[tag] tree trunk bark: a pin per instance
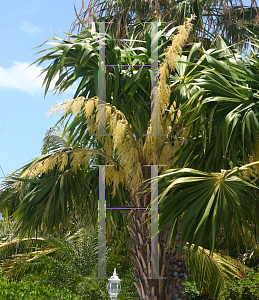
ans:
(177, 270)
(172, 269)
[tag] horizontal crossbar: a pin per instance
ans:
(118, 65)
(127, 208)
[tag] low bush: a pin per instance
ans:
(64, 276)
(71, 262)
(12, 290)
(242, 289)
(192, 292)
(238, 290)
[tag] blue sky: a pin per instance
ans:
(23, 120)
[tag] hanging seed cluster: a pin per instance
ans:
(171, 58)
(121, 142)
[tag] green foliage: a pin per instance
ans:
(238, 289)
(205, 203)
(67, 275)
(217, 93)
(193, 293)
(243, 289)
(235, 21)
(211, 272)
(28, 291)
(70, 262)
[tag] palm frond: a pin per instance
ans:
(53, 140)
(211, 272)
(200, 204)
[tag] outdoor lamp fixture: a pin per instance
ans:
(114, 286)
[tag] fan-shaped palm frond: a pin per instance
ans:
(217, 94)
(203, 203)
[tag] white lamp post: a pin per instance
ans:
(114, 286)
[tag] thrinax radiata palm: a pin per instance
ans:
(126, 147)
(52, 188)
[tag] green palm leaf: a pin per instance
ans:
(203, 203)
(211, 272)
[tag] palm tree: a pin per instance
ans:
(51, 189)
(235, 22)
(216, 119)
(62, 178)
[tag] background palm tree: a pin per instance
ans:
(235, 22)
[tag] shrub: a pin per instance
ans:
(192, 292)
(69, 262)
(62, 275)
(238, 290)
(12, 290)
(243, 289)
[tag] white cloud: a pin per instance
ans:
(29, 28)
(21, 76)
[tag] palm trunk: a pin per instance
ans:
(172, 268)
(178, 272)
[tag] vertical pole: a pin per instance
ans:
(154, 223)
(154, 168)
(101, 82)
(101, 224)
(154, 82)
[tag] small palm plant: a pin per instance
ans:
(69, 261)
